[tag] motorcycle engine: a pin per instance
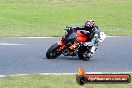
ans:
(67, 52)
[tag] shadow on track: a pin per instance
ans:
(72, 58)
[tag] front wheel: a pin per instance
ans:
(53, 52)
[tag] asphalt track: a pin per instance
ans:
(27, 55)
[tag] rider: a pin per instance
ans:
(94, 32)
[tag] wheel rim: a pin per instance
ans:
(53, 54)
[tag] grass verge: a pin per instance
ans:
(49, 17)
(51, 81)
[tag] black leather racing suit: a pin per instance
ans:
(94, 33)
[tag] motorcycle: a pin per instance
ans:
(72, 45)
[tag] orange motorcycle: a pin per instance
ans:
(71, 45)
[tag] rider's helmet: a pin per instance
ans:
(89, 25)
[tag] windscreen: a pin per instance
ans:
(70, 37)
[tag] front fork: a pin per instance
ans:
(62, 44)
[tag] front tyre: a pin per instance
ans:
(53, 52)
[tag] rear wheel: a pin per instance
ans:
(85, 56)
(82, 57)
(53, 52)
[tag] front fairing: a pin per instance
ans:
(70, 37)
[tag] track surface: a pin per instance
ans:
(26, 55)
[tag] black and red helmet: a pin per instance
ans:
(90, 24)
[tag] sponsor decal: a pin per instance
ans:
(83, 78)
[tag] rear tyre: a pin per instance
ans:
(82, 53)
(85, 55)
(83, 58)
(53, 52)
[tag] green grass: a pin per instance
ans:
(51, 81)
(49, 17)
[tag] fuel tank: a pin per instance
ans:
(81, 37)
